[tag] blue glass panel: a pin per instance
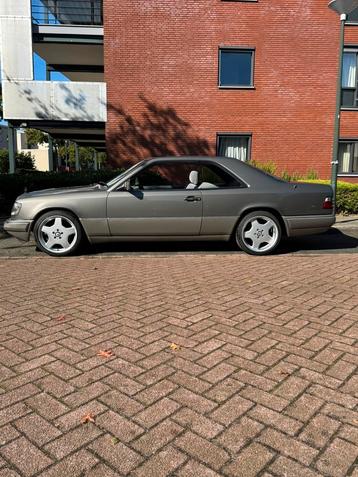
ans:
(235, 68)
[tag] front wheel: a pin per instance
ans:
(58, 233)
(258, 233)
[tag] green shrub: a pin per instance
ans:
(269, 167)
(290, 176)
(12, 185)
(312, 175)
(347, 196)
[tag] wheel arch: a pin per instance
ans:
(49, 209)
(272, 210)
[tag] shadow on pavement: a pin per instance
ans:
(333, 241)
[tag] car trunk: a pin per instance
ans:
(312, 198)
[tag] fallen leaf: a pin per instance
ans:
(115, 440)
(174, 347)
(105, 353)
(87, 418)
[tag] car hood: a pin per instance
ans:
(60, 191)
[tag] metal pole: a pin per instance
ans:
(59, 160)
(95, 162)
(11, 148)
(334, 171)
(77, 158)
(50, 153)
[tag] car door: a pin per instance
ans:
(223, 197)
(160, 201)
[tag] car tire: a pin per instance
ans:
(58, 233)
(258, 233)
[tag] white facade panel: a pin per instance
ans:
(54, 100)
(16, 48)
(15, 8)
(79, 101)
(26, 99)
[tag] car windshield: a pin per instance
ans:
(127, 171)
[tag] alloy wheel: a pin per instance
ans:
(260, 234)
(57, 234)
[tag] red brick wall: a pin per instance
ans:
(161, 67)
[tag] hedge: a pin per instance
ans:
(12, 185)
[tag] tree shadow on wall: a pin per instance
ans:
(159, 131)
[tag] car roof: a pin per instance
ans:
(245, 171)
(183, 158)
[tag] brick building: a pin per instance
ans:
(246, 78)
(251, 79)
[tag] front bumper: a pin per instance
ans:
(308, 224)
(20, 229)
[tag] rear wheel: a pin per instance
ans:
(258, 233)
(58, 233)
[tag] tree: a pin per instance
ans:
(35, 137)
(23, 161)
(67, 152)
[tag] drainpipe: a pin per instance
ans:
(338, 110)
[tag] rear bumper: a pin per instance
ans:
(308, 224)
(18, 228)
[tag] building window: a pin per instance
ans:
(236, 68)
(236, 146)
(353, 16)
(349, 79)
(348, 157)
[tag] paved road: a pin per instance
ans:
(344, 240)
(210, 365)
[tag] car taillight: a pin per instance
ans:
(328, 204)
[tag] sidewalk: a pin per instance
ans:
(346, 221)
(125, 367)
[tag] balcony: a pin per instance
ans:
(55, 101)
(67, 12)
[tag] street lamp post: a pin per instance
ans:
(343, 8)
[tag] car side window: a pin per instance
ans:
(164, 176)
(214, 177)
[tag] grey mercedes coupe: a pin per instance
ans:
(171, 198)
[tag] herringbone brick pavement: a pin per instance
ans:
(223, 365)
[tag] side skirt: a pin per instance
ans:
(151, 238)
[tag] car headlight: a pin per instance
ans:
(15, 209)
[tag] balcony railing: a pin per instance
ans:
(67, 12)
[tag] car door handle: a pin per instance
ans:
(192, 198)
